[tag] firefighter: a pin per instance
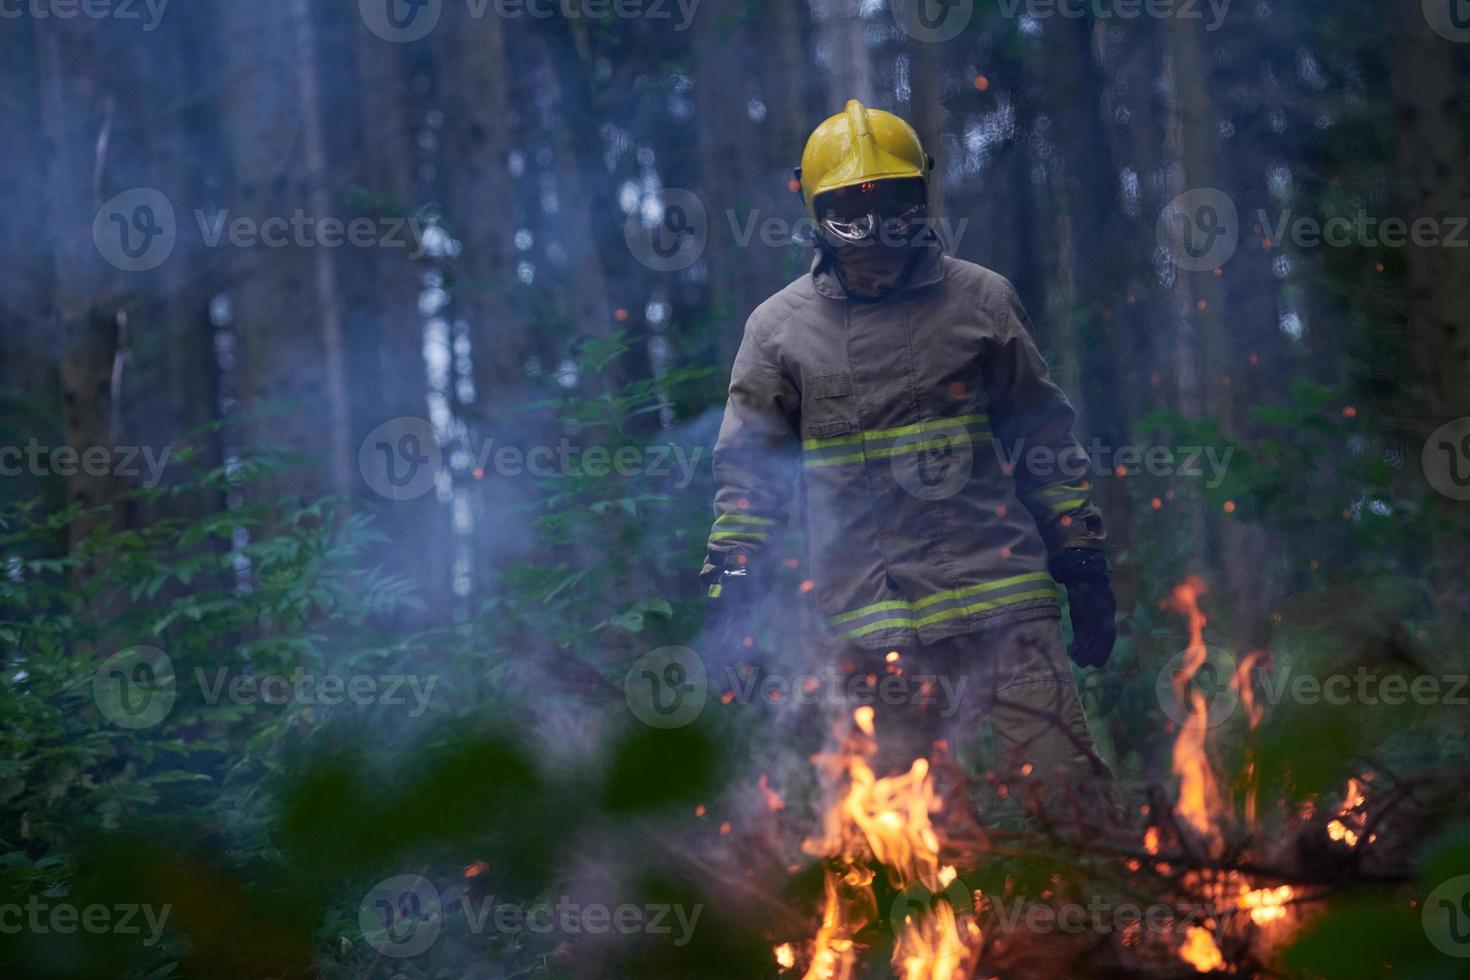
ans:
(945, 496)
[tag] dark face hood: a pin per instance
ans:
(870, 273)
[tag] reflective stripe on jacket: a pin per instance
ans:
(899, 420)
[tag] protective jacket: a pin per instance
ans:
(936, 457)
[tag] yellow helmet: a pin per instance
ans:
(856, 146)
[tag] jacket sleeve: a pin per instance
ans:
(1033, 420)
(755, 456)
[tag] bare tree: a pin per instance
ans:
(287, 312)
(79, 109)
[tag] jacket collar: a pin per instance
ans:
(929, 271)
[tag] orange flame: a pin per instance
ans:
(1347, 826)
(773, 798)
(1199, 950)
(1254, 710)
(884, 822)
(1265, 904)
(1199, 795)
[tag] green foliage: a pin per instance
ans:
(615, 542)
(262, 590)
(254, 816)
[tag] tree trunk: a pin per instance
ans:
(1435, 184)
(285, 309)
(1093, 292)
(1206, 360)
(323, 267)
(384, 324)
(593, 226)
(850, 67)
(483, 207)
(25, 270)
(928, 116)
(732, 175)
(77, 122)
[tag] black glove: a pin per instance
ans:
(728, 581)
(1094, 609)
(731, 598)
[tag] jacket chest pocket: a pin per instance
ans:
(828, 402)
(829, 422)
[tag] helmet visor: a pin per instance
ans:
(860, 212)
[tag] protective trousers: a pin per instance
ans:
(1013, 677)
